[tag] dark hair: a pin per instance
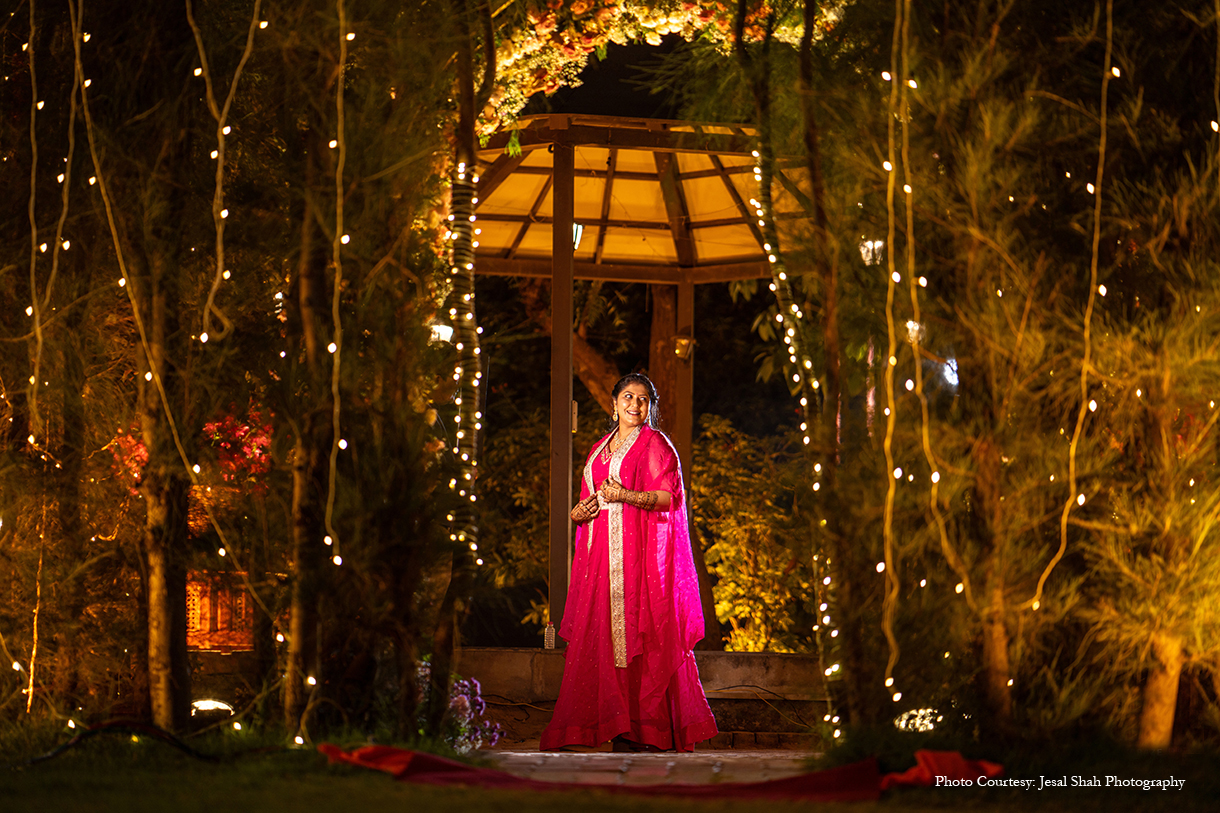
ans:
(638, 378)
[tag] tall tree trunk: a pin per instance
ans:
(1160, 694)
(310, 461)
(444, 641)
(990, 525)
(996, 669)
(166, 495)
(169, 673)
(857, 677)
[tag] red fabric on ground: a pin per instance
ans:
(949, 764)
(860, 781)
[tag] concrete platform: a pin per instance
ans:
(607, 768)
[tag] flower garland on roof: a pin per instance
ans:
(553, 44)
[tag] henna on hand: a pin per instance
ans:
(614, 491)
(586, 510)
(646, 500)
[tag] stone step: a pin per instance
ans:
(760, 700)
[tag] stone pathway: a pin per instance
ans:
(608, 768)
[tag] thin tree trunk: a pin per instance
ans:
(990, 522)
(855, 658)
(444, 641)
(996, 669)
(168, 664)
(307, 558)
(309, 462)
(166, 496)
(1160, 694)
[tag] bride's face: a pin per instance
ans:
(632, 405)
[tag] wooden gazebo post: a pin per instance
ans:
(561, 379)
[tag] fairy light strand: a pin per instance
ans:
(468, 369)
(337, 259)
(1216, 90)
(221, 115)
(37, 310)
(1086, 362)
(896, 109)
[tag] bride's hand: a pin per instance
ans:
(613, 490)
(586, 510)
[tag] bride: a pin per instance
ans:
(633, 614)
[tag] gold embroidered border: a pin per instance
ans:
(618, 609)
(589, 481)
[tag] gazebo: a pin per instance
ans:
(666, 203)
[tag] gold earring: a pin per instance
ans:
(616, 416)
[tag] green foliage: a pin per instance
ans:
(741, 515)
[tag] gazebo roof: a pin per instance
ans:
(655, 200)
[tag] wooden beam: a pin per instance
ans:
(607, 191)
(493, 266)
(561, 384)
(588, 172)
(748, 214)
(615, 223)
(541, 135)
(727, 272)
(526, 221)
(497, 217)
(497, 174)
(675, 207)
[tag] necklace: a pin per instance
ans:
(609, 449)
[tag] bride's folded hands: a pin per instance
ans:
(613, 491)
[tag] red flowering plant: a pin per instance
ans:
(243, 448)
(130, 457)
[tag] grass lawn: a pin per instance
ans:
(109, 776)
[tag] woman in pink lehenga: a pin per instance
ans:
(633, 612)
